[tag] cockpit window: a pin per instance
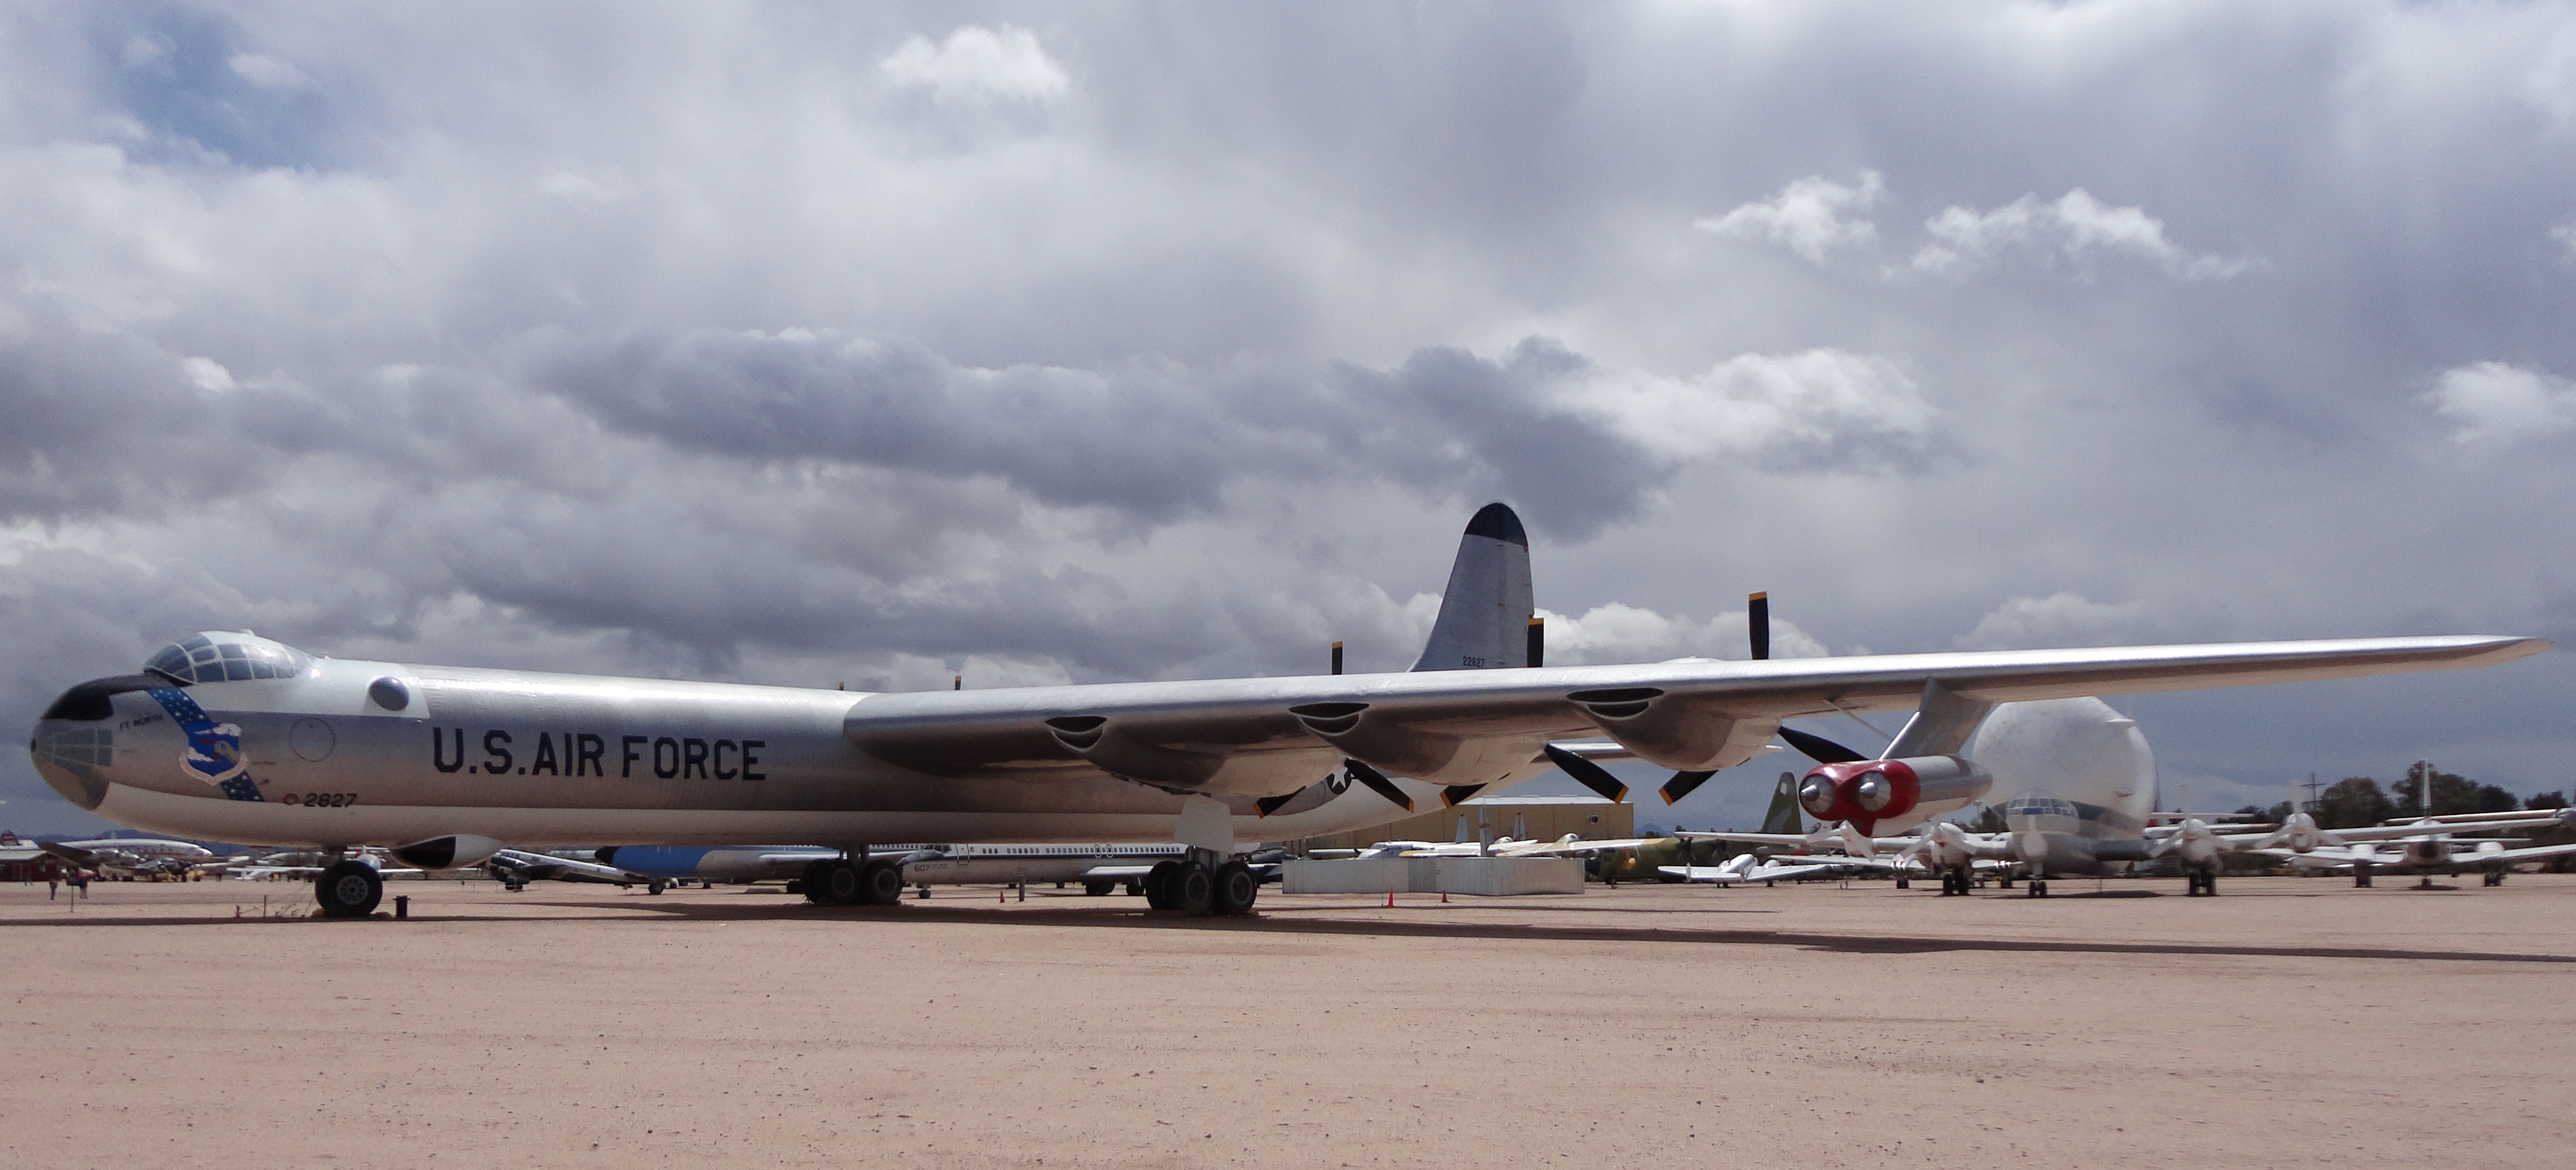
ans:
(228, 657)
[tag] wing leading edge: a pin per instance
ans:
(1272, 736)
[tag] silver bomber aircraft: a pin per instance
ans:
(234, 737)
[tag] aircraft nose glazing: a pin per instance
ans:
(75, 743)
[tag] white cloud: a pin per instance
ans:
(977, 63)
(1818, 398)
(574, 187)
(2493, 402)
(1812, 216)
(2565, 234)
(207, 374)
(2076, 225)
(268, 72)
(1619, 632)
(2550, 85)
(2060, 619)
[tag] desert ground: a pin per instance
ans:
(2287, 1022)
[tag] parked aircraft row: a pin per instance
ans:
(230, 736)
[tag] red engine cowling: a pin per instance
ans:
(1865, 792)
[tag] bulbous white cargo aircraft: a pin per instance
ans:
(233, 737)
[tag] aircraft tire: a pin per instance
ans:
(1235, 889)
(881, 884)
(1098, 889)
(349, 889)
(653, 887)
(1158, 884)
(842, 884)
(1192, 890)
(1903, 884)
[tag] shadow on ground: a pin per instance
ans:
(1310, 921)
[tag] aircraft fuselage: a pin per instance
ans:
(351, 752)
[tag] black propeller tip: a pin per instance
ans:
(1681, 785)
(1818, 748)
(1589, 774)
(1378, 783)
(1757, 621)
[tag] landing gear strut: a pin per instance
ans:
(2204, 882)
(2494, 877)
(349, 889)
(2038, 886)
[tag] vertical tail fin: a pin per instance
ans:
(1485, 613)
(1783, 817)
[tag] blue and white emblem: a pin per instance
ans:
(214, 751)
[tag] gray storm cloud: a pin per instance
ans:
(877, 345)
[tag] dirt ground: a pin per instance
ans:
(2288, 1022)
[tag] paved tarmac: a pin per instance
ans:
(2288, 1022)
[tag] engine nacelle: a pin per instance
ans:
(457, 852)
(1865, 792)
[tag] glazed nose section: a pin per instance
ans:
(74, 744)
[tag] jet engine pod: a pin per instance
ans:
(1389, 745)
(455, 852)
(1108, 747)
(1675, 734)
(1865, 792)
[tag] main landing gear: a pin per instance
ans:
(2038, 886)
(2493, 877)
(1954, 882)
(853, 881)
(349, 889)
(2204, 882)
(1193, 887)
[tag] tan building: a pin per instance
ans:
(1543, 818)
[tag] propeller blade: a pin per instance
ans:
(1270, 804)
(1592, 775)
(1457, 794)
(1818, 748)
(1378, 783)
(1757, 619)
(1682, 783)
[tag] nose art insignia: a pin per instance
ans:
(214, 752)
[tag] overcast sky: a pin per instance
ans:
(812, 344)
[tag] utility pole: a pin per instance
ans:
(2312, 794)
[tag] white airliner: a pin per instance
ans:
(143, 847)
(234, 737)
(1099, 867)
